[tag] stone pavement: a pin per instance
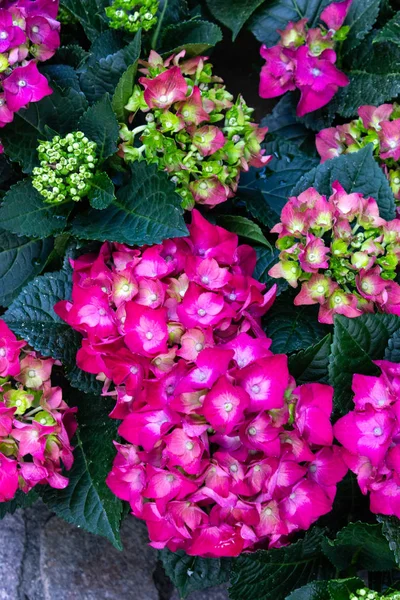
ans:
(44, 558)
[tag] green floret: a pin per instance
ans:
(132, 15)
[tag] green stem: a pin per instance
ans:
(158, 28)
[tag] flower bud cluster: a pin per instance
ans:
(366, 594)
(377, 125)
(222, 451)
(304, 59)
(193, 129)
(36, 425)
(341, 251)
(29, 33)
(131, 15)
(370, 436)
(66, 169)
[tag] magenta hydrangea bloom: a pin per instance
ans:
(341, 251)
(369, 435)
(36, 425)
(222, 452)
(304, 59)
(29, 33)
(377, 124)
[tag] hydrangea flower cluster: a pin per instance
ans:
(183, 103)
(341, 250)
(379, 125)
(224, 452)
(370, 436)
(366, 594)
(36, 425)
(29, 33)
(304, 59)
(66, 169)
(132, 15)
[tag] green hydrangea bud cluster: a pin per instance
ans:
(203, 141)
(132, 15)
(67, 166)
(366, 594)
(65, 16)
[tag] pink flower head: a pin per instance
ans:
(372, 116)
(389, 137)
(208, 139)
(146, 329)
(329, 143)
(277, 75)
(335, 13)
(9, 351)
(191, 109)
(313, 410)
(165, 89)
(224, 406)
(24, 85)
(8, 478)
(11, 36)
(314, 255)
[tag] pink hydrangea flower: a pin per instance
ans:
(222, 452)
(36, 425)
(341, 251)
(370, 433)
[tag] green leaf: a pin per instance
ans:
(196, 37)
(266, 259)
(89, 13)
(277, 14)
(283, 123)
(391, 531)
(360, 18)
(192, 573)
(356, 343)
(20, 500)
(360, 545)
(292, 327)
(341, 589)
(72, 55)
(32, 316)
(100, 125)
(265, 191)
(86, 382)
(316, 590)
(102, 76)
(233, 13)
(21, 259)
(390, 32)
(88, 502)
(392, 351)
(124, 91)
(273, 574)
(312, 363)
(24, 212)
(357, 172)
(60, 112)
(244, 228)
(147, 210)
(374, 77)
(101, 192)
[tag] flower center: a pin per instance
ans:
(35, 29)
(292, 496)
(198, 347)
(22, 83)
(3, 35)
(257, 468)
(232, 296)
(381, 402)
(102, 312)
(313, 468)
(2, 351)
(312, 257)
(320, 289)
(133, 370)
(201, 312)
(205, 279)
(268, 512)
(293, 270)
(202, 376)
(252, 431)
(149, 335)
(255, 389)
(392, 144)
(203, 185)
(377, 431)
(337, 300)
(316, 72)
(228, 406)
(31, 373)
(170, 390)
(163, 98)
(125, 287)
(170, 478)
(234, 468)
(189, 445)
(153, 297)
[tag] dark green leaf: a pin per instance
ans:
(360, 545)
(89, 13)
(32, 316)
(316, 590)
(265, 191)
(21, 259)
(391, 531)
(60, 112)
(266, 258)
(191, 573)
(245, 228)
(72, 55)
(196, 37)
(292, 327)
(390, 32)
(86, 382)
(356, 343)
(392, 351)
(25, 212)
(172, 11)
(124, 91)
(20, 500)
(100, 125)
(103, 76)
(101, 192)
(233, 13)
(88, 502)
(147, 210)
(312, 363)
(360, 18)
(282, 122)
(64, 76)
(277, 14)
(273, 574)
(357, 172)
(341, 589)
